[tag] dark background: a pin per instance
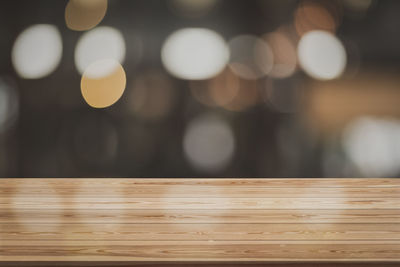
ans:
(54, 133)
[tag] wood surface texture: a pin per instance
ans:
(182, 220)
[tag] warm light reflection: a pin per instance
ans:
(218, 91)
(24, 199)
(103, 83)
(373, 144)
(194, 53)
(251, 57)
(215, 219)
(247, 96)
(310, 215)
(37, 51)
(85, 190)
(151, 96)
(227, 90)
(98, 44)
(82, 15)
(322, 55)
(311, 15)
(209, 143)
(284, 53)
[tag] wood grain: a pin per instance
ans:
(218, 231)
(89, 216)
(204, 203)
(202, 251)
(200, 220)
(200, 191)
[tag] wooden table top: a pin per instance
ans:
(200, 220)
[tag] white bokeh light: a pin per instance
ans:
(209, 143)
(373, 145)
(99, 44)
(37, 51)
(194, 53)
(322, 55)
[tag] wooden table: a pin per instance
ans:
(240, 220)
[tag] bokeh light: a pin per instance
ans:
(284, 53)
(82, 15)
(209, 143)
(149, 68)
(373, 144)
(151, 96)
(194, 53)
(98, 44)
(37, 51)
(247, 96)
(312, 15)
(322, 55)
(218, 91)
(103, 83)
(228, 91)
(251, 57)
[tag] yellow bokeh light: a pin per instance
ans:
(82, 15)
(103, 83)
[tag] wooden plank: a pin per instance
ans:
(201, 251)
(195, 232)
(201, 203)
(156, 191)
(199, 216)
(177, 220)
(199, 264)
(269, 182)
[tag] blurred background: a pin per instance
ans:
(199, 88)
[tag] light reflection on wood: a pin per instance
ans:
(200, 219)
